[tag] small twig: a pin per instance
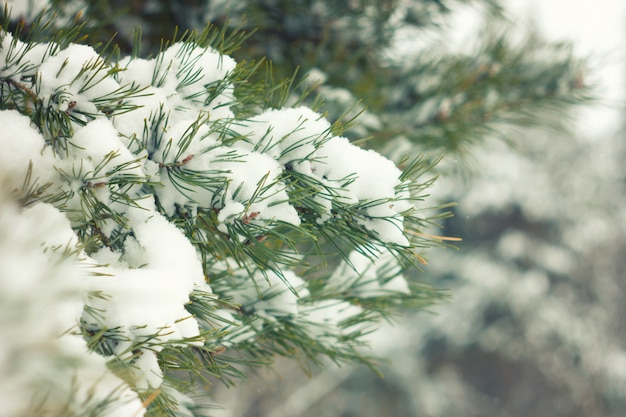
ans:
(20, 86)
(103, 238)
(249, 217)
(177, 164)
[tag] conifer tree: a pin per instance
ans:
(190, 208)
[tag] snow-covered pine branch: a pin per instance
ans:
(189, 229)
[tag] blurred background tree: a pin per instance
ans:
(384, 60)
(534, 324)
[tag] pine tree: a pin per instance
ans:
(198, 211)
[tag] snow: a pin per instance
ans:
(363, 176)
(27, 9)
(300, 140)
(316, 76)
(96, 140)
(327, 318)
(267, 295)
(288, 135)
(180, 80)
(41, 283)
(597, 30)
(170, 273)
(11, 52)
(76, 74)
(145, 290)
(365, 277)
(18, 155)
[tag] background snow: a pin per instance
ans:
(40, 300)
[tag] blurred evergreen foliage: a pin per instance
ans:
(385, 61)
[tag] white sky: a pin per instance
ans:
(598, 29)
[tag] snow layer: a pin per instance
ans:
(41, 286)
(366, 277)
(23, 149)
(266, 293)
(301, 140)
(26, 9)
